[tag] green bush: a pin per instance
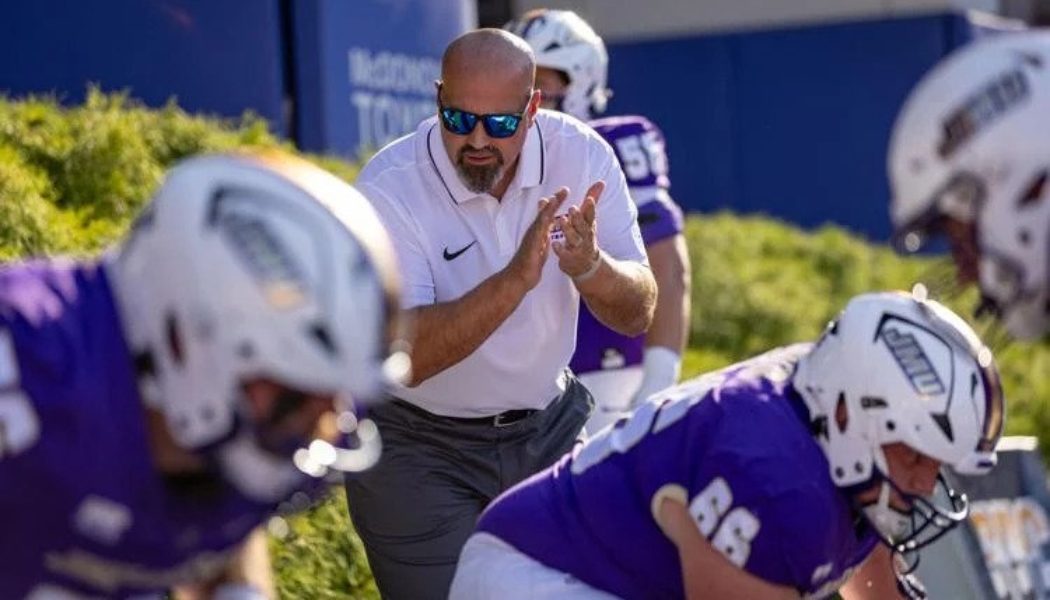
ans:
(26, 210)
(759, 283)
(71, 179)
(317, 555)
(86, 170)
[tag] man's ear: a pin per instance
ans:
(534, 104)
(437, 93)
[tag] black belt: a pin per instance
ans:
(503, 419)
(507, 417)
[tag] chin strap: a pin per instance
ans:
(907, 583)
(905, 552)
(910, 587)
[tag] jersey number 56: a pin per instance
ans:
(642, 155)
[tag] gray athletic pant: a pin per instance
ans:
(416, 508)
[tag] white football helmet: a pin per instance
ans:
(258, 267)
(894, 368)
(972, 144)
(563, 41)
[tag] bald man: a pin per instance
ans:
(503, 216)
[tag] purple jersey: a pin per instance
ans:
(639, 145)
(737, 443)
(84, 510)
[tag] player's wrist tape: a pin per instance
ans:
(238, 591)
(660, 369)
(590, 272)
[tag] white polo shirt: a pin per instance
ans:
(449, 239)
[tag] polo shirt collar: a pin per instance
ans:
(531, 163)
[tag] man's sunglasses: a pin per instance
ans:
(461, 122)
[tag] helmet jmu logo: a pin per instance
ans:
(981, 109)
(261, 250)
(912, 359)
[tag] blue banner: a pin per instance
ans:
(365, 69)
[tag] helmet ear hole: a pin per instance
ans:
(145, 364)
(174, 338)
(841, 413)
(1034, 192)
(320, 334)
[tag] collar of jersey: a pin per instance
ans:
(530, 167)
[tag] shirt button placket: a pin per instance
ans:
(504, 239)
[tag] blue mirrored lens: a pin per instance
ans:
(461, 122)
(501, 126)
(458, 121)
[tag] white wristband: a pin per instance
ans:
(590, 272)
(660, 368)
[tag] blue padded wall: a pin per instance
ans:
(790, 122)
(214, 56)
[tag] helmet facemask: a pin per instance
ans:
(264, 464)
(995, 246)
(1014, 268)
(923, 519)
(907, 531)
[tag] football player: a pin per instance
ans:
(809, 469)
(157, 404)
(968, 161)
(571, 74)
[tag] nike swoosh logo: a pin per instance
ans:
(453, 255)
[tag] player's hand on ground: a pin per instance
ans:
(528, 261)
(578, 250)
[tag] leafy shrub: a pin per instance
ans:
(318, 555)
(26, 212)
(759, 283)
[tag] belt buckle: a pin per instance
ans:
(498, 420)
